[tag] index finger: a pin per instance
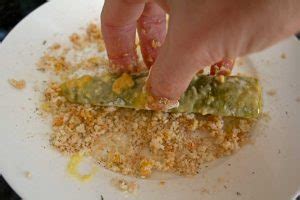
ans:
(118, 25)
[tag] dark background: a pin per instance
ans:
(11, 12)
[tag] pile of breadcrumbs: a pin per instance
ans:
(128, 141)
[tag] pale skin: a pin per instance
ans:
(200, 33)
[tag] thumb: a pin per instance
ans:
(179, 59)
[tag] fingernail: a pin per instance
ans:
(158, 103)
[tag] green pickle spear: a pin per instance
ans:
(216, 95)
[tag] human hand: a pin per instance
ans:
(200, 33)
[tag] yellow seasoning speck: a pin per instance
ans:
(124, 82)
(73, 165)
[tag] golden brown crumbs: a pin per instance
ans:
(140, 142)
(155, 44)
(58, 121)
(59, 61)
(124, 82)
(101, 47)
(283, 56)
(271, 92)
(135, 67)
(93, 33)
(76, 40)
(162, 183)
(61, 66)
(18, 84)
(125, 186)
(163, 101)
(56, 64)
(133, 142)
(92, 36)
(55, 46)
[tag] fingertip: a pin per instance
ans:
(168, 82)
(118, 24)
(224, 67)
(152, 32)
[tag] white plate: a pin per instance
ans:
(268, 169)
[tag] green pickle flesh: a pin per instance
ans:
(233, 96)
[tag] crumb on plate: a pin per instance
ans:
(162, 183)
(125, 186)
(55, 46)
(18, 84)
(28, 174)
(272, 92)
(283, 56)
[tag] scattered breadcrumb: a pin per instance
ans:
(155, 44)
(162, 183)
(92, 36)
(204, 191)
(76, 40)
(65, 61)
(271, 92)
(132, 142)
(28, 174)
(125, 186)
(18, 84)
(283, 56)
(55, 46)
(56, 64)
